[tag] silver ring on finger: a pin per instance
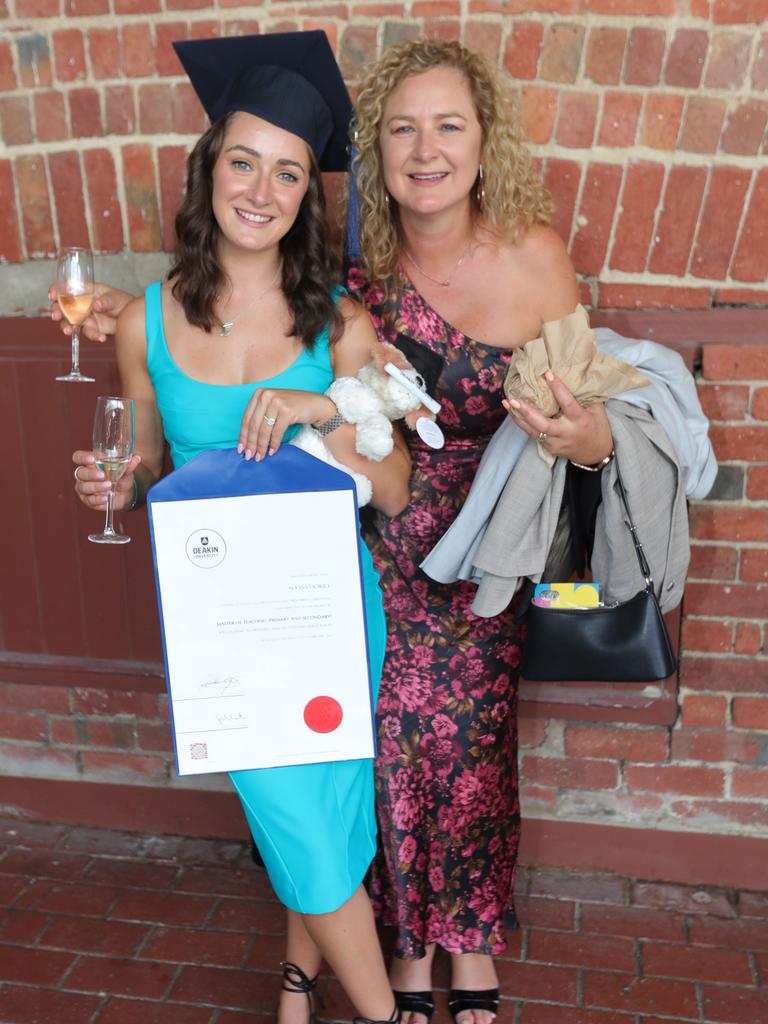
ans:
(542, 437)
(270, 420)
(77, 478)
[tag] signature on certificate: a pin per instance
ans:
(232, 719)
(222, 686)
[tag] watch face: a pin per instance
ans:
(429, 432)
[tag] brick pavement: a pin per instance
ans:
(102, 927)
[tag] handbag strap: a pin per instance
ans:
(645, 569)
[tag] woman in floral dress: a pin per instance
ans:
(458, 268)
(447, 778)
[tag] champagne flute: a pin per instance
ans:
(112, 447)
(74, 287)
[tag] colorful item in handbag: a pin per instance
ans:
(567, 595)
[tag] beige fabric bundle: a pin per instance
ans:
(568, 348)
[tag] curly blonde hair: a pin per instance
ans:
(514, 197)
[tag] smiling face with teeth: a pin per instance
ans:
(259, 181)
(431, 142)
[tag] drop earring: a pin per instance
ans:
(480, 192)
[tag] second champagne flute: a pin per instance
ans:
(112, 448)
(74, 286)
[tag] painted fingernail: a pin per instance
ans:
(248, 453)
(271, 451)
(240, 449)
(257, 457)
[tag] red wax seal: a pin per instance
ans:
(323, 714)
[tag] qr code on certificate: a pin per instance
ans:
(198, 751)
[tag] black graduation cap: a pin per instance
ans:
(291, 79)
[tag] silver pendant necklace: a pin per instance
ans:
(444, 283)
(227, 325)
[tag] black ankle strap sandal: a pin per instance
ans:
(460, 999)
(415, 1002)
(394, 1018)
(295, 980)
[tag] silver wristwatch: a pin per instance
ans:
(328, 426)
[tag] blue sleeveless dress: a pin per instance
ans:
(314, 824)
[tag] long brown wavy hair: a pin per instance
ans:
(309, 266)
(514, 196)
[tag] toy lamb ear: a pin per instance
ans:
(426, 362)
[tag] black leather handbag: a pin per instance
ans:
(626, 642)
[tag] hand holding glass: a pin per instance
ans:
(74, 286)
(112, 448)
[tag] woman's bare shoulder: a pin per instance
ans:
(358, 328)
(355, 346)
(542, 252)
(132, 316)
(541, 245)
(131, 333)
(349, 307)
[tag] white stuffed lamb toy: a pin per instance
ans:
(371, 400)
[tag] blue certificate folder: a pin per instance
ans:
(262, 670)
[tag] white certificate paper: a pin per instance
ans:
(264, 631)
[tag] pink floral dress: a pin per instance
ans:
(447, 798)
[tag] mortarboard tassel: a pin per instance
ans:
(353, 208)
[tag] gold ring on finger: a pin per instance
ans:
(76, 476)
(542, 437)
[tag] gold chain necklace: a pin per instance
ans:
(227, 325)
(443, 283)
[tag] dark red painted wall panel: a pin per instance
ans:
(61, 595)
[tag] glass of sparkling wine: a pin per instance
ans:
(74, 286)
(112, 447)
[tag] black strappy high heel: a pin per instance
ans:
(295, 980)
(460, 999)
(394, 1018)
(415, 1002)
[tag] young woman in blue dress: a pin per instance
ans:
(236, 348)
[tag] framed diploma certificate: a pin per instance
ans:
(259, 585)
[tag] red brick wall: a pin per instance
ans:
(700, 766)
(648, 117)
